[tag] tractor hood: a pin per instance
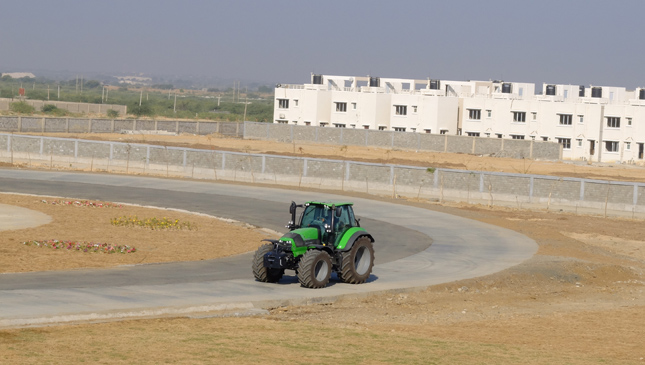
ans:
(302, 237)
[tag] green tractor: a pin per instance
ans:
(325, 238)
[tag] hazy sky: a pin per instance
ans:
(576, 42)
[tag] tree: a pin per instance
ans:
(92, 84)
(265, 89)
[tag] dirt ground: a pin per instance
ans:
(208, 237)
(579, 300)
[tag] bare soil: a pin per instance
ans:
(579, 300)
(208, 237)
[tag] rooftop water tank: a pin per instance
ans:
(507, 88)
(435, 84)
(375, 82)
(596, 92)
(318, 80)
(550, 89)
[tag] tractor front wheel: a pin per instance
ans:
(356, 264)
(314, 269)
(262, 273)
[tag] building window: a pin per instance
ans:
(339, 125)
(341, 107)
(629, 122)
(545, 139)
(401, 109)
(519, 117)
(565, 119)
(307, 123)
(366, 126)
(499, 135)
(282, 121)
(295, 122)
(534, 115)
(428, 130)
(323, 124)
(628, 146)
(581, 119)
(613, 122)
(399, 129)
(354, 106)
(414, 108)
(381, 128)
(472, 134)
(489, 113)
(532, 138)
(611, 146)
(295, 102)
(579, 142)
(565, 142)
(474, 114)
(517, 136)
(283, 103)
(443, 131)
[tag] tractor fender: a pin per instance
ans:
(346, 245)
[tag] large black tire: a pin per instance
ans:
(314, 269)
(356, 264)
(261, 273)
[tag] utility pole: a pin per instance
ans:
(77, 84)
(103, 95)
(107, 91)
(218, 97)
(81, 84)
(141, 97)
(174, 108)
(246, 102)
(58, 92)
(47, 92)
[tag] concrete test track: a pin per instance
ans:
(414, 248)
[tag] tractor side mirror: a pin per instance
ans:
(338, 212)
(292, 207)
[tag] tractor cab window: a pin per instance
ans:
(316, 214)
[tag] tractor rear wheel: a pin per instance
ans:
(314, 269)
(356, 264)
(265, 274)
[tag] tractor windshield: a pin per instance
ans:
(316, 215)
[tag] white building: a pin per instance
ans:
(592, 123)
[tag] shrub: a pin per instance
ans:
(48, 108)
(22, 108)
(111, 113)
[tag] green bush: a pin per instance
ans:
(48, 108)
(111, 113)
(22, 108)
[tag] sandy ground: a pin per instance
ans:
(208, 238)
(579, 300)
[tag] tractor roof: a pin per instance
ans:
(329, 204)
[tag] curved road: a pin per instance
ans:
(414, 247)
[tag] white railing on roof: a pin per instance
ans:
(292, 86)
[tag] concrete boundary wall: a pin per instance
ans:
(85, 125)
(474, 187)
(411, 141)
(69, 106)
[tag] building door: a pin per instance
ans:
(640, 150)
(592, 147)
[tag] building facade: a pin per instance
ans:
(592, 123)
